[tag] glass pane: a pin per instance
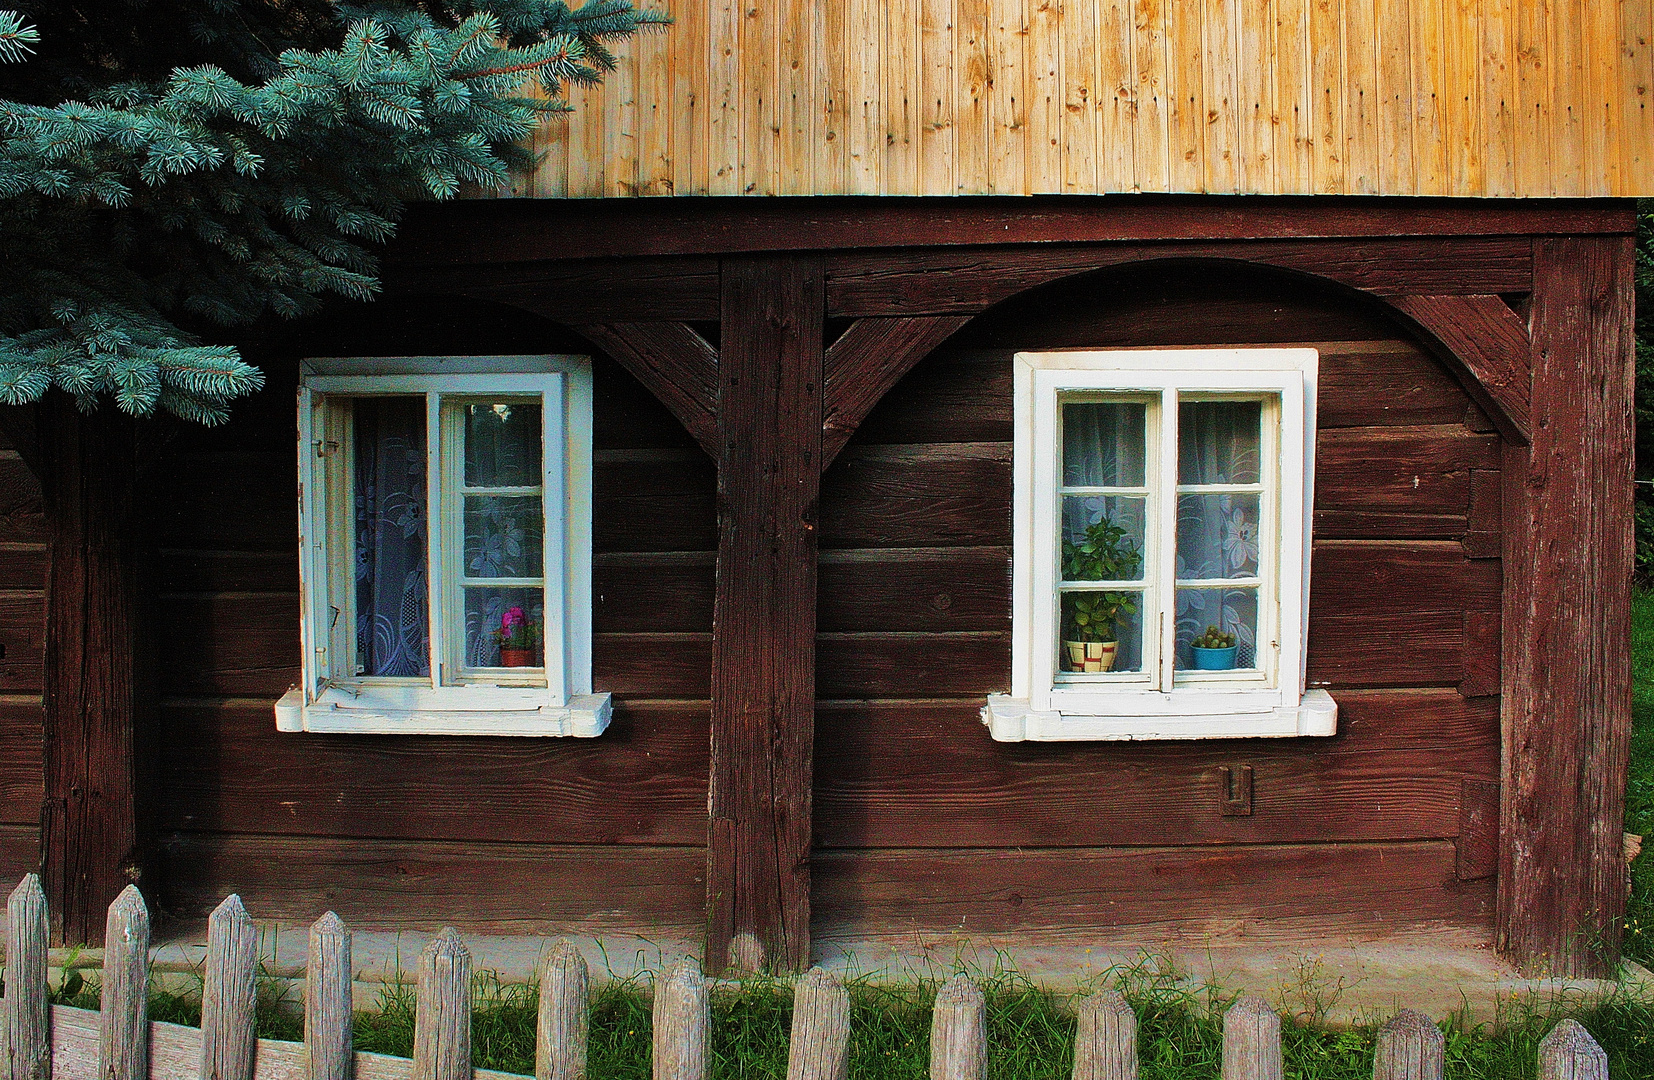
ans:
(502, 444)
(1101, 631)
(504, 627)
(1102, 537)
(1217, 536)
(504, 536)
(393, 634)
(1102, 443)
(1232, 613)
(1218, 442)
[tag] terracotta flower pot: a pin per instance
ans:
(1091, 656)
(516, 657)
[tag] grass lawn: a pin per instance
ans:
(1639, 789)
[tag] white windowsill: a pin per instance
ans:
(586, 716)
(1011, 720)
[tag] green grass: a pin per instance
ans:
(1639, 788)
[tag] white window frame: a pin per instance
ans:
(554, 701)
(1159, 701)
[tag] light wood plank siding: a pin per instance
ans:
(928, 97)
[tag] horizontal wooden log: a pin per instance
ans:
(1416, 470)
(918, 496)
(890, 665)
(1378, 577)
(654, 501)
(971, 279)
(1389, 524)
(389, 884)
(925, 774)
(22, 520)
(1412, 649)
(225, 768)
(175, 1051)
(22, 721)
(1327, 892)
(22, 640)
(19, 851)
(915, 589)
(580, 290)
(627, 416)
(513, 230)
(242, 500)
(22, 566)
(183, 570)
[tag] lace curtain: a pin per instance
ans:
(392, 617)
(1217, 534)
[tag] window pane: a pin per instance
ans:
(1093, 620)
(1103, 443)
(393, 634)
(1218, 442)
(504, 627)
(502, 444)
(1102, 537)
(504, 536)
(1230, 611)
(1217, 536)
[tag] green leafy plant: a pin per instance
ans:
(1214, 638)
(1102, 554)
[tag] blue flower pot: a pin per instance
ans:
(1214, 659)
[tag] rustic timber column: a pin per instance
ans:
(763, 638)
(1567, 611)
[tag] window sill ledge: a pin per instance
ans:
(586, 716)
(1011, 720)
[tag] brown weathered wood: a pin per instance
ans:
(675, 363)
(958, 1031)
(682, 1015)
(1484, 526)
(442, 1013)
(229, 993)
(819, 1046)
(1105, 1046)
(580, 290)
(1486, 337)
(328, 1005)
(561, 1032)
(91, 840)
(123, 1024)
(1567, 616)
(763, 670)
(1251, 1041)
(1481, 661)
(25, 1013)
(865, 362)
(1478, 840)
(1409, 1047)
(1569, 1053)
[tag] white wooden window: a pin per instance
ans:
(1161, 561)
(445, 547)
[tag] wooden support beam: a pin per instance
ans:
(865, 362)
(1490, 343)
(674, 363)
(763, 647)
(1567, 610)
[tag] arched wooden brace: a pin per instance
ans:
(1482, 338)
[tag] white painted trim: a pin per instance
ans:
(1160, 702)
(585, 716)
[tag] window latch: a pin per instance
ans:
(324, 447)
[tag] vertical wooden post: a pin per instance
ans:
(1567, 611)
(1251, 1041)
(327, 1000)
(1105, 1044)
(27, 1029)
(763, 647)
(682, 1016)
(228, 994)
(560, 1037)
(1410, 1047)
(442, 1012)
(123, 1017)
(90, 839)
(1569, 1053)
(820, 1045)
(959, 1032)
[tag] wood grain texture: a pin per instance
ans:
(1484, 335)
(1409, 1047)
(1567, 553)
(229, 993)
(818, 1047)
(1570, 1053)
(25, 1012)
(675, 363)
(865, 362)
(442, 1010)
(328, 974)
(762, 666)
(959, 1031)
(563, 1028)
(682, 1015)
(1105, 1042)
(123, 1025)
(1251, 1041)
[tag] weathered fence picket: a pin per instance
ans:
(682, 1019)
(959, 1032)
(27, 1032)
(40, 1041)
(328, 1005)
(123, 1028)
(1251, 1041)
(819, 1048)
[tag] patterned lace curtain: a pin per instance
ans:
(393, 634)
(1217, 534)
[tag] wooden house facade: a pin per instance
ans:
(808, 498)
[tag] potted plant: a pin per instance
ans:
(517, 639)
(1214, 650)
(1091, 620)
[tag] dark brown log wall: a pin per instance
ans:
(22, 643)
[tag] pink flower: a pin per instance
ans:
(513, 617)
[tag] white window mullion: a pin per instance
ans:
(1165, 607)
(436, 576)
(552, 502)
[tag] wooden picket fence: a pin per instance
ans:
(41, 1041)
